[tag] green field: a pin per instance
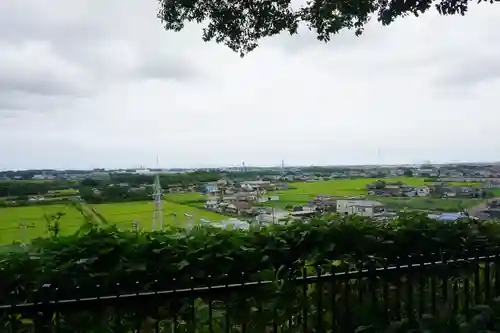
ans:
(341, 187)
(495, 191)
(302, 192)
(184, 197)
(121, 214)
(447, 205)
(350, 187)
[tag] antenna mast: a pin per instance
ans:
(157, 196)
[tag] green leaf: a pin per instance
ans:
(183, 264)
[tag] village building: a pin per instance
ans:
(368, 208)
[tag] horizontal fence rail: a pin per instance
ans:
(309, 299)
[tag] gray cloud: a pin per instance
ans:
(75, 51)
(34, 68)
(472, 71)
(89, 83)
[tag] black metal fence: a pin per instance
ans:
(316, 300)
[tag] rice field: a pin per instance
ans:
(184, 197)
(429, 204)
(121, 214)
(302, 192)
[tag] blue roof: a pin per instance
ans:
(447, 216)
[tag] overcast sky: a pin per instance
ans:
(87, 84)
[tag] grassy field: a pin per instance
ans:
(349, 187)
(122, 214)
(447, 205)
(302, 192)
(495, 191)
(184, 197)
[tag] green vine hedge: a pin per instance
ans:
(101, 254)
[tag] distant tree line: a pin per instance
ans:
(166, 180)
(113, 194)
(17, 188)
(133, 187)
(29, 174)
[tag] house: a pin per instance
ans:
(423, 191)
(367, 208)
(324, 205)
(492, 184)
(410, 193)
(175, 189)
(281, 186)
(393, 190)
(269, 198)
(36, 198)
(137, 189)
(245, 196)
(449, 193)
(252, 185)
(211, 203)
(43, 177)
(303, 213)
(240, 207)
(211, 187)
(323, 197)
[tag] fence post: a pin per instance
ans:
(135, 225)
(46, 313)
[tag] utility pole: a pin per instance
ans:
(187, 218)
(135, 225)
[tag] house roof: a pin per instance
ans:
(362, 203)
(256, 182)
(447, 216)
(243, 194)
(242, 205)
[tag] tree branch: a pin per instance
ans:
(241, 24)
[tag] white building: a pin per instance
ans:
(144, 172)
(43, 177)
(255, 185)
(423, 191)
(367, 208)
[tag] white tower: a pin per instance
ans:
(158, 209)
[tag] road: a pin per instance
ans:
(479, 208)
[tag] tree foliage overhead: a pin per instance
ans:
(240, 24)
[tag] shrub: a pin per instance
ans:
(101, 255)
